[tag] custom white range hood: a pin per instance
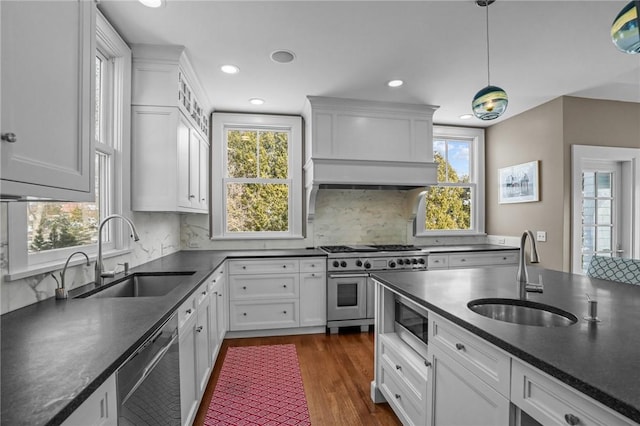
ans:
(365, 144)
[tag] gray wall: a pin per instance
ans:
(546, 133)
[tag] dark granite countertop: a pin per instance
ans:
(54, 354)
(465, 248)
(601, 360)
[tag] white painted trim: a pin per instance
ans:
(628, 156)
(477, 173)
(275, 332)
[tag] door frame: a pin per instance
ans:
(630, 198)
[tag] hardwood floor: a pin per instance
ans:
(336, 371)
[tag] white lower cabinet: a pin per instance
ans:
(202, 338)
(217, 311)
(100, 409)
(549, 401)
(187, 338)
(277, 293)
(403, 379)
(459, 397)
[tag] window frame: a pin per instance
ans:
(21, 264)
(477, 183)
(221, 123)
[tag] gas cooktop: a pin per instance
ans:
(368, 248)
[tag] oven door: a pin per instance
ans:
(347, 296)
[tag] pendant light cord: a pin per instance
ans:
(488, 67)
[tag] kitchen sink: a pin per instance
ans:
(140, 285)
(523, 312)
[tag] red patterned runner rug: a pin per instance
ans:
(259, 385)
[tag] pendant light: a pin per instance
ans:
(491, 101)
(625, 30)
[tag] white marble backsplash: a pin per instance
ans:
(159, 235)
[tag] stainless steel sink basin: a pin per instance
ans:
(523, 312)
(140, 285)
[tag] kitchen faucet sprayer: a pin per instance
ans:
(522, 276)
(99, 274)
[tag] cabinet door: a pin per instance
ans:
(48, 91)
(99, 409)
(188, 385)
(203, 347)
(222, 310)
(214, 341)
(313, 299)
(458, 397)
(184, 163)
(203, 175)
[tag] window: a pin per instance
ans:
(256, 179)
(455, 204)
(44, 234)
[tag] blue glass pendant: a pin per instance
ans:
(489, 103)
(624, 30)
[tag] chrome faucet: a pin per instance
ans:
(61, 293)
(523, 277)
(100, 274)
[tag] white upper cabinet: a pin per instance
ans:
(48, 91)
(170, 149)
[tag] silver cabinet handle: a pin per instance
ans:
(459, 346)
(188, 311)
(398, 367)
(244, 287)
(199, 329)
(427, 363)
(284, 312)
(9, 137)
(572, 419)
(284, 286)
(397, 396)
(192, 196)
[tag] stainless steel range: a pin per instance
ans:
(350, 291)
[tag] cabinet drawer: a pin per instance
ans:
(187, 310)
(202, 294)
(410, 369)
(264, 287)
(399, 396)
(551, 402)
(467, 260)
(263, 266)
(437, 261)
(313, 265)
(480, 357)
(251, 315)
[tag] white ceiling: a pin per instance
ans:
(539, 50)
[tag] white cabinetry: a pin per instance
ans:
(202, 338)
(218, 319)
(313, 292)
(476, 259)
(469, 372)
(188, 364)
(551, 402)
(170, 150)
(100, 409)
(48, 91)
(266, 293)
(403, 379)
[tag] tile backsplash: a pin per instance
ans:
(342, 216)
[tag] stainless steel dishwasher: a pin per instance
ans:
(149, 381)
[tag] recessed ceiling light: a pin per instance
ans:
(230, 69)
(466, 116)
(395, 83)
(256, 101)
(152, 3)
(283, 56)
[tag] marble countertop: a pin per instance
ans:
(55, 353)
(600, 360)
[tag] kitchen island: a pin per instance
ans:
(597, 359)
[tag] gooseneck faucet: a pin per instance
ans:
(99, 275)
(523, 277)
(61, 292)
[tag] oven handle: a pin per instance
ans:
(152, 364)
(348, 275)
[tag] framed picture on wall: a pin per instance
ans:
(519, 183)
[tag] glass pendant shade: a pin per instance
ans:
(489, 103)
(624, 30)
